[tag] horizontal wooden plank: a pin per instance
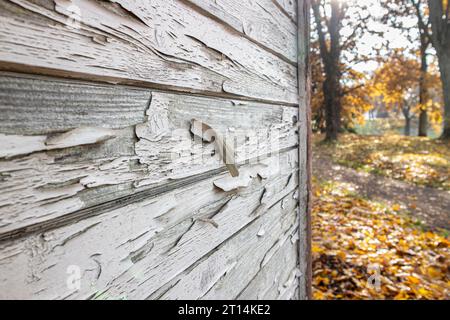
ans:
(227, 272)
(278, 278)
(132, 251)
(83, 170)
(260, 20)
(34, 106)
(154, 43)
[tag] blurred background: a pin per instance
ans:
(381, 150)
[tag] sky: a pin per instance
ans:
(366, 43)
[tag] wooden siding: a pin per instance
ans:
(99, 168)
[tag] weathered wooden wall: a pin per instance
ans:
(99, 172)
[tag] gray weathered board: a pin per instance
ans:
(105, 193)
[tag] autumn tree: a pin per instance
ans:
(397, 82)
(439, 11)
(397, 11)
(355, 95)
(331, 17)
(330, 53)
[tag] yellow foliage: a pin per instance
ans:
(357, 93)
(395, 79)
(350, 234)
(397, 83)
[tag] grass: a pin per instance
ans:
(417, 160)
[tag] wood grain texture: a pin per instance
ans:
(260, 20)
(38, 106)
(279, 275)
(228, 271)
(133, 251)
(305, 151)
(102, 178)
(289, 7)
(157, 149)
(147, 42)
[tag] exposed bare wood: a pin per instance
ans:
(40, 106)
(225, 148)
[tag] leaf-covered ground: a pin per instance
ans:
(355, 238)
(421, 161)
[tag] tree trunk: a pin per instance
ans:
(407, 126)
(406, 114)
(423, 123)
(423, 116)
(439, 17)
(332, 105)
(444, 66)
(330, 58)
